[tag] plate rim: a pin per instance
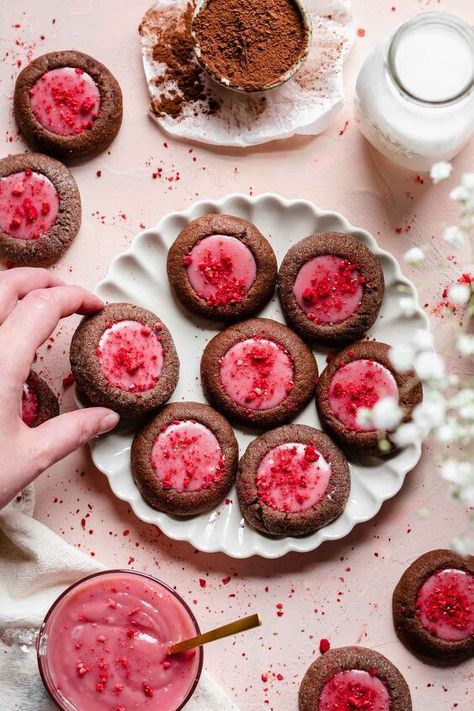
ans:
(289, 544)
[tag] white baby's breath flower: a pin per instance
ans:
(407, 306)
(431, 412)
(440, 171)
(459, 294)
(459, 194)
(414, 256)
(467, 411)
(448, 432)
(402, 357)
(386, 413)
(453, 236)
(461, 398)
(422, 340)
(406, 434)
(467, 181)
(465, 344)
(463, 546)
(364, 418)
(461, 474)
(429, 366)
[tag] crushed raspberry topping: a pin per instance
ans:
(29, 405)
(354, 690)
(257, 373)
(186, 456)
(131, 356)
(29, 204)
(329, 289)
(292, 477)
(65, 101)
(445, 605)
(221, 270)
(360, 383)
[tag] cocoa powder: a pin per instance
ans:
(173, 46)
(251, 43)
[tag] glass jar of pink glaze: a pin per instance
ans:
(104, 645)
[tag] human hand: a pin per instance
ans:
(32, 301)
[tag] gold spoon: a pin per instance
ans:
(246, 623)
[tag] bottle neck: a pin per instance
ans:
(430, 59)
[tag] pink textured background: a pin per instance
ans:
(342, 591)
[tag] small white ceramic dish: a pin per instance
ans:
(139, 276)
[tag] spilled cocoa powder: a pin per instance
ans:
(173, 46)
(251, 43)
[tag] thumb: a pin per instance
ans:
(57, 438)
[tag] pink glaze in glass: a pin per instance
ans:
(328, 289)
(355, 689)
(360, 383)
(104, 645)
(29, 204)
(65, 101)
(186, 456)
(257, 373)
(293, 477)
(221, 270)
(445, 605)
(29, 405)
(131, 356)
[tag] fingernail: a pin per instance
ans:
(108, 422)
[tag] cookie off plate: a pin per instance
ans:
(139, 276)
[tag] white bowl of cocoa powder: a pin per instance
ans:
(251, 45)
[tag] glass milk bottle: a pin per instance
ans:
(415, 92)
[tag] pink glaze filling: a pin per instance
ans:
(186, 456)
(328, 289)
(29, 405)
(355, 690)
(107, 645)
(257, 373)
(130, 356)
(445, 605)
(293, 477)
(65, 101)
(361, 383)
(29, 204)
(221, 270)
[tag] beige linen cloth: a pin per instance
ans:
(36, 565)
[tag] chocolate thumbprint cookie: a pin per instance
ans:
(292, 481)
(358, 377)
(222, 268)
(353, 678)
(258, 372)
(331, 288)
(433, 607)
(68, 104)
(40, 209)
(184, 461)
(124, 358)
(38, 402)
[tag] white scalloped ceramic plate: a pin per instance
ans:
(139, 276)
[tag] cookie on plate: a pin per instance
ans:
(358, 377)
(433, 607)
(331, 288)
(40, 209)
(258, 372)
(38, 402)
(184, 461)
(124, 358)
(292, 481)
(222, 268)
(353, 678)
(68, 104)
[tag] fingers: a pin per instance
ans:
(57, 438)
(32, 322)
(16, 283)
